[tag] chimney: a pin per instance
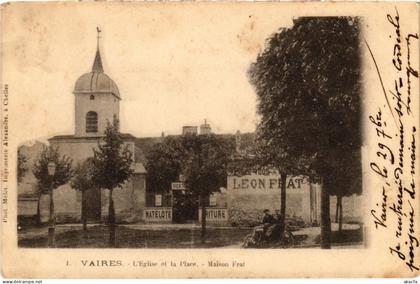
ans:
(238, 141)
(205, 128)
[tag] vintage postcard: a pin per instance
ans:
(209, 140)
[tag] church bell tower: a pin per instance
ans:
(97, 99)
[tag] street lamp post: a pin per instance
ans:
(51, 228)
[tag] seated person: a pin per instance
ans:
(267, 218)
(267, 222)
(277, 216)
(276, 229)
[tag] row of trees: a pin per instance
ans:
(202, 160)
(308, 85)
(109, 168)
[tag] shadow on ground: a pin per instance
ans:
(143, 237)
(344, 237)
(97, 237)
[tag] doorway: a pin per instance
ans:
(92, 204)
(184, 207)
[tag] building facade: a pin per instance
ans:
(97, 103)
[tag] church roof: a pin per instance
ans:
(97, 63)
(74, 138)
(139, 168)
(96, 81)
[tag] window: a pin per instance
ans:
(92, 97)
(212, 201)
(158, 200)
(91, 122)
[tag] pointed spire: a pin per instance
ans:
(97, 64)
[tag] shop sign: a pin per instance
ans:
(159, 214)
(212, 200)
(265, 183)
(215, 215)
(178, 185)
(158, 200)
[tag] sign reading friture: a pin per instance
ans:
(215, 215)
(158, 214)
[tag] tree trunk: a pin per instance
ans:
(325, 217)
(340, 219)
(111, 221)
(283, 177)
(51, 228)
(337, 208)
(84, 221)
(38, 210)
(203, 219)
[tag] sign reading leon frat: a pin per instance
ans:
(158, 214)
(265, 182)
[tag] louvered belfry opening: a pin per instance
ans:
(91, 122)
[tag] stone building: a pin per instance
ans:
(28, 193)
(245, 197)
(97, 102)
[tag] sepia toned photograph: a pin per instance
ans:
(294, 181)
(148, 136)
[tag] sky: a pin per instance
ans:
(174, 66)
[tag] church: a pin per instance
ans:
(97, 102)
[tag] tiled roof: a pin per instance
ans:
(139, 168)
(125, 136)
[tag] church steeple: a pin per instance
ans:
(97, 64)
(97, 99)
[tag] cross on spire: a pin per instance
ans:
(98, 36)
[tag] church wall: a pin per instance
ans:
(67, 205)
(123, 202)
(27, 206)
(28, 185)
(77, 150)
(105, 105)
(27, 210)
(81, 149)
(127, 200)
